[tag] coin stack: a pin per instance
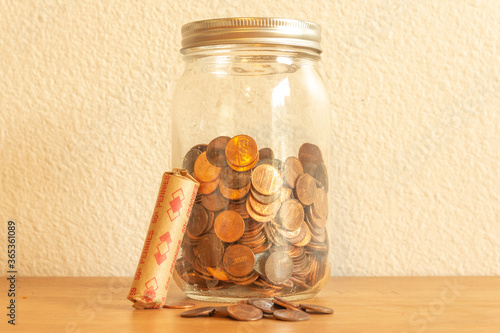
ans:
(257, 222)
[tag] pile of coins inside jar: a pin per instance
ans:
(257, 222)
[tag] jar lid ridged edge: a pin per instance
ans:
(251, 30)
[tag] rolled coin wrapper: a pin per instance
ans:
(163, 239)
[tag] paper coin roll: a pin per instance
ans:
(163, 239)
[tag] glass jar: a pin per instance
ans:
(251, 121)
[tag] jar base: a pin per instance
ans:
(200, 296)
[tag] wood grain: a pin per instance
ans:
(361, 304)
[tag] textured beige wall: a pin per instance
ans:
(85, 88)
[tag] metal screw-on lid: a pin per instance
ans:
(251, 30)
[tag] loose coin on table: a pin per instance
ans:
(316, 309)
(264, 305)
(198, 312)
(221, 312)
(291, 315)
(284, 303)
(244, 312)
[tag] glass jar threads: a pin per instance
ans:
(251, 122)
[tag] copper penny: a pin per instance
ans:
(291, 315)
(244, 312)
(316, 309)
(319, 237)
(216, 151)
(265, 199)
(292, 170)
(310, 153)
(198, 221)
(218, 273)
(234, 179)
(190, 159)
(279, 267)
(266, 153)
(207, 188)
(291, 214)
(309, 168)
(314, 220)
(201, 146)
(264, 305)
(266, 179)
(260, 263)
(221, 311)
(234, 193)
(179, 305)
(239, 260)
(210, 250)
(263, 209)
(214, 201)
(294, 236)
(321, 175)
(229, 226)
(245, 280)
(241, 151)
(239, 208)
(305, 187)
(198, 312)
(274, 236)
(287, 304)
(286, 193)
(244, 168)
(257, 217)
(320, 204)
(204, 170)
(306, 239)
(252, 300)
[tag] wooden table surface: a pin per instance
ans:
(361, 304)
